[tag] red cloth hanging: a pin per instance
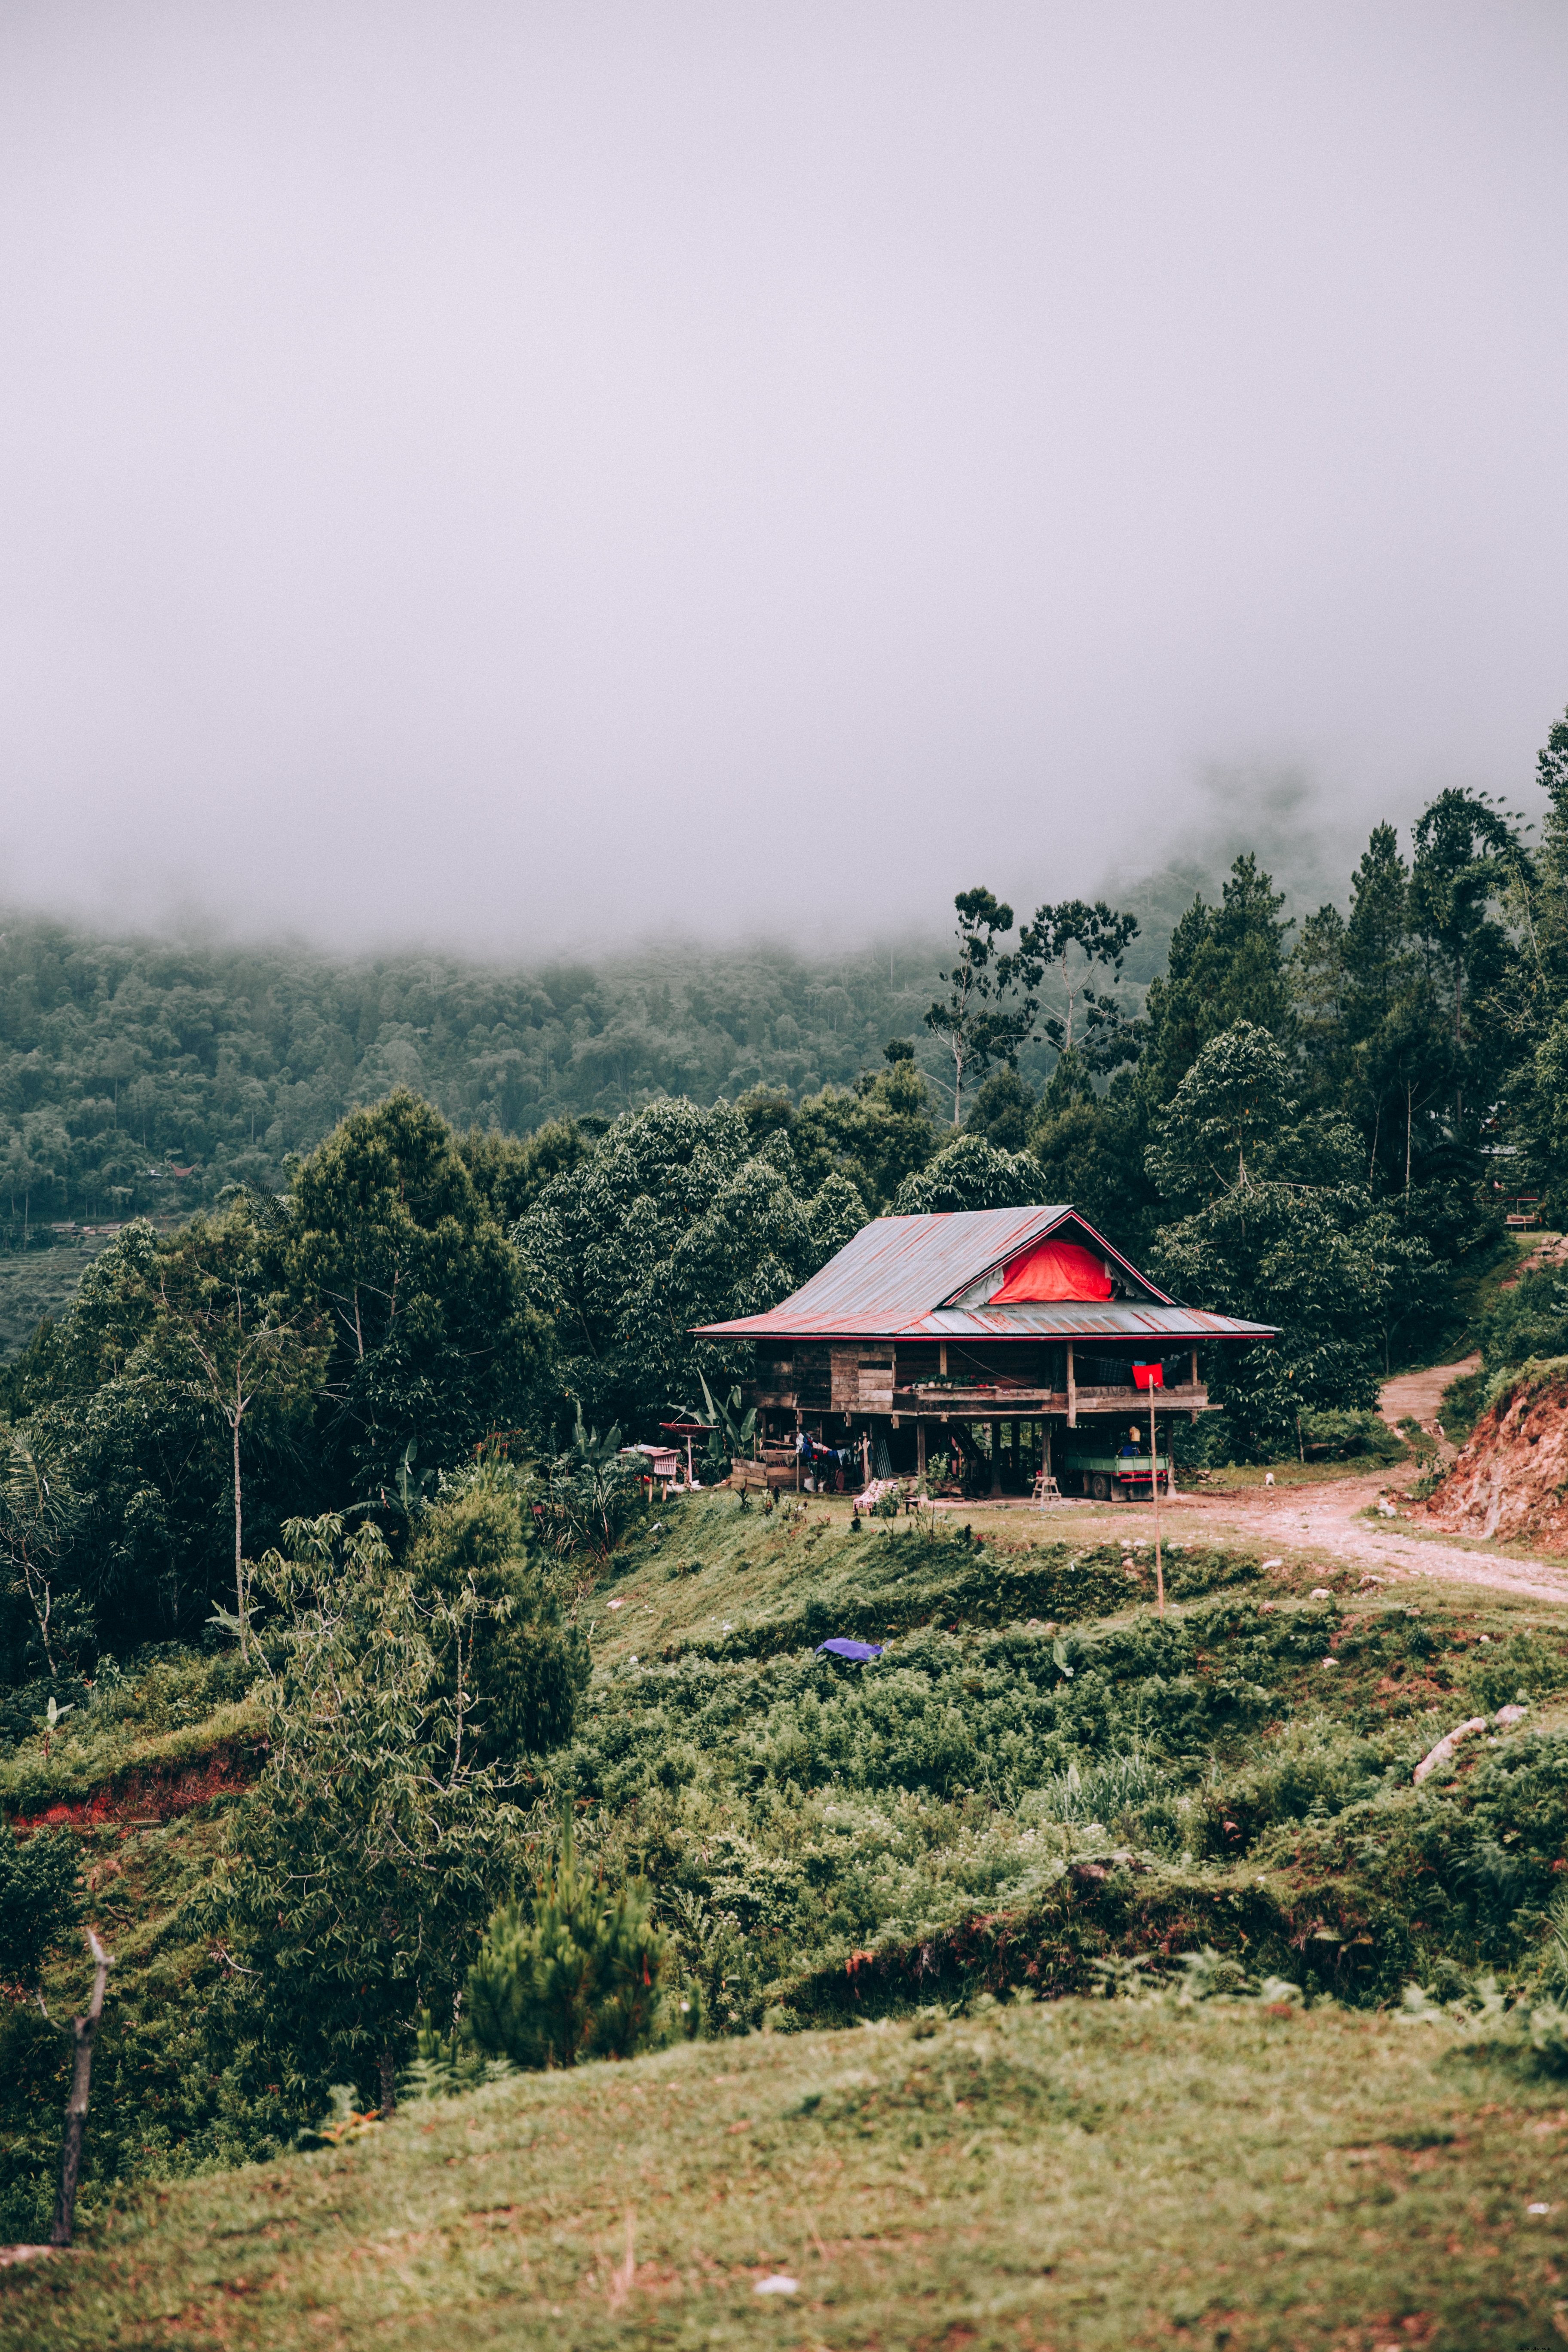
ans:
(1052, 1270)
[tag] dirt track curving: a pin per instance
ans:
(1327, 1518)
(1418, 1395)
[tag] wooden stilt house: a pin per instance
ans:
(1026, 1321)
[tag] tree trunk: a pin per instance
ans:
(83, 2029)
(239, 1549)
(388, 2084)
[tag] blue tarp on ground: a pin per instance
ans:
(857, 1650)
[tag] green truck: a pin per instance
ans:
(1090, 1462)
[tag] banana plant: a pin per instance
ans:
(737, 1433)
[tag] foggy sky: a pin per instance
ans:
(549, 473)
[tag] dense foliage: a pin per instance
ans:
(1032, 1751)
(578, 1970)
(377, 1836)
(329, 1460)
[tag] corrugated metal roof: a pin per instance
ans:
(890, 1280)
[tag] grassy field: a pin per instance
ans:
(1081, 2174)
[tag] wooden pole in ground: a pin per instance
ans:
(1154, 1490)
(83, 2029)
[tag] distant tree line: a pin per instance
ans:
(140, 1075)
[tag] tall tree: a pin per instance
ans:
(680, 1217)
(432, 1341)
(1226, 964)
(1463, 846)
(252, 1357)
(989, 1011)
(1085, 947)
(368, 1857)
(1535, 1007)
(1273, 1224)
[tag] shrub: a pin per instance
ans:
(521, 1657)
(579, 1972)
(373, 1844)
(1334, 1436)
(1530, 1318)
(38, 1900)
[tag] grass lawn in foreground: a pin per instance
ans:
(1085, 2174)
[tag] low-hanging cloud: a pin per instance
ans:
(522, 474)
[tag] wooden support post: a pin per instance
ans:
(920, 1449)
(83, 2029)
(1194, 1415)
(996, 1457)
(1072, 1391)
(1154, 1491)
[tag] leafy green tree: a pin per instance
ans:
(521, 1653)
(1001, 1111)
(989, 1010)
(1317, 971)
(1226, 964)
(1090, 1149)
(101, 1394)
(1276, 1229)
(579, 1971)
(38, 1901)
(510, 1173)
(1535, 1002)
(37, 1510)
(375, 1842)
(873, 1135)
(1085, 946)
(118, 1397)
(1463, 846)
(970, 1174)
(252, 1362)
(431, 1338)
(1386, 1062)
(678, 1219)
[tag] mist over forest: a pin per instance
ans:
(143, 1069)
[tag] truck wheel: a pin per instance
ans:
(1099, 1487)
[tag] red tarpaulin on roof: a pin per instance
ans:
(1053, 1270)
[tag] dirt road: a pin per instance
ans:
(1329, 1519)
(1418, 1395)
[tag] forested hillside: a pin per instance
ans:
(138, 1075)
(330, 1597)
(1315, 1126)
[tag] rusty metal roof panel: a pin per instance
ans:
(897, 1268)
(1066, 1320)
(889, 1281)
